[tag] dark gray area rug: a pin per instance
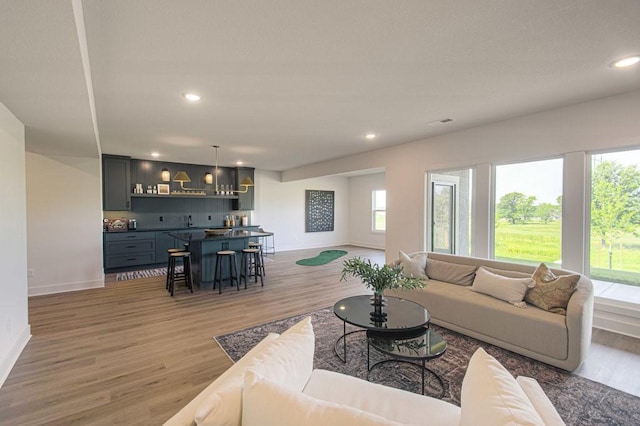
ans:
(579, 401)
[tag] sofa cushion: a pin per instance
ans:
(540, 401)
(454, 306)
(510, 290)
(450, 272)
(413, 265)
(186, 416)
(551, 292)
(290, 357)
(491, 396)
(392, 404)
(266, 403)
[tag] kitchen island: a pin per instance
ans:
(204, 247)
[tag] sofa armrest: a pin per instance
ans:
(579, 323)
(540, 401)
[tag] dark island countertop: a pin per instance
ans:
(200, 235)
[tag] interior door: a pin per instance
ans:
(443, 214)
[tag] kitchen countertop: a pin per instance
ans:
(200, 235)
(182, 229)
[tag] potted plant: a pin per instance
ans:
(379, 278)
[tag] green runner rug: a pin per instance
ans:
(323, 258)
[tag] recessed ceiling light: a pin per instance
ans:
(155, 155)
(370, 136)
(626, 62)
(193, 97)
(239, 163)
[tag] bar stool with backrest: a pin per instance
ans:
(268, 248)
(250, 264)
(169, 253)
(259, 247)
(174, 277)
(233, 269)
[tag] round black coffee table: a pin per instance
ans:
(401, 315)
(414, 347)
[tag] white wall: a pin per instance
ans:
(14, 327)
(280, 208)
(606, 123)
(64, 213)
(360, 198)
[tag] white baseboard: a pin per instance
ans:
(9, 361)
(65, 287)
(616, 316)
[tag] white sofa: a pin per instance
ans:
(275, 384)
(556, 339)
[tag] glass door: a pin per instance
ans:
(443, 214)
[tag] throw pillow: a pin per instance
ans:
(540, 401)
(265, 403)
(508, 273)
(510, 290)
(492, 396)
(294, 348)
(551, 292)
(454, 273)
(414, 265)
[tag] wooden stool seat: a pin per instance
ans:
(233, 269)
(173, 276)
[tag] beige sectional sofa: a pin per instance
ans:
(275, 384)
(553, 338)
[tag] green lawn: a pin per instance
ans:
(536, 242)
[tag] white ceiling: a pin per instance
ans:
(286, 83)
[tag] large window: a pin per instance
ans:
(528, 212)
(615, 217)
(379, 208)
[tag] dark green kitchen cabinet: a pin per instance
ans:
(245, 200)
(116, 182)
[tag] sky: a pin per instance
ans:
(543, 179)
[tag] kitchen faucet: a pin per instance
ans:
(189, 223)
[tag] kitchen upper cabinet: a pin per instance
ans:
(245, 200)
(116, 182)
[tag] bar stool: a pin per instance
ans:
(169, 253)
(233, 269)
(251, 261)
(268, 248)
(259, 247)
(184, 276)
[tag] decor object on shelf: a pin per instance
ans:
(163, 189)
(379, 278)
(323, 258)
(246, 182)
(319, 209)
(182, 177)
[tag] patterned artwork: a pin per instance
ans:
(319, 210)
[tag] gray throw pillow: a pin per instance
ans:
(454, 273)
(413, 265)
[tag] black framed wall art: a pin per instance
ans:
(319, 209)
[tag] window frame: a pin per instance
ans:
(374, 211)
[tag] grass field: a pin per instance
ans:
(536, 242)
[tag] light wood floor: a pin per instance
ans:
(130, 354)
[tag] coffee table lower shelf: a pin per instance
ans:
(413, 347)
